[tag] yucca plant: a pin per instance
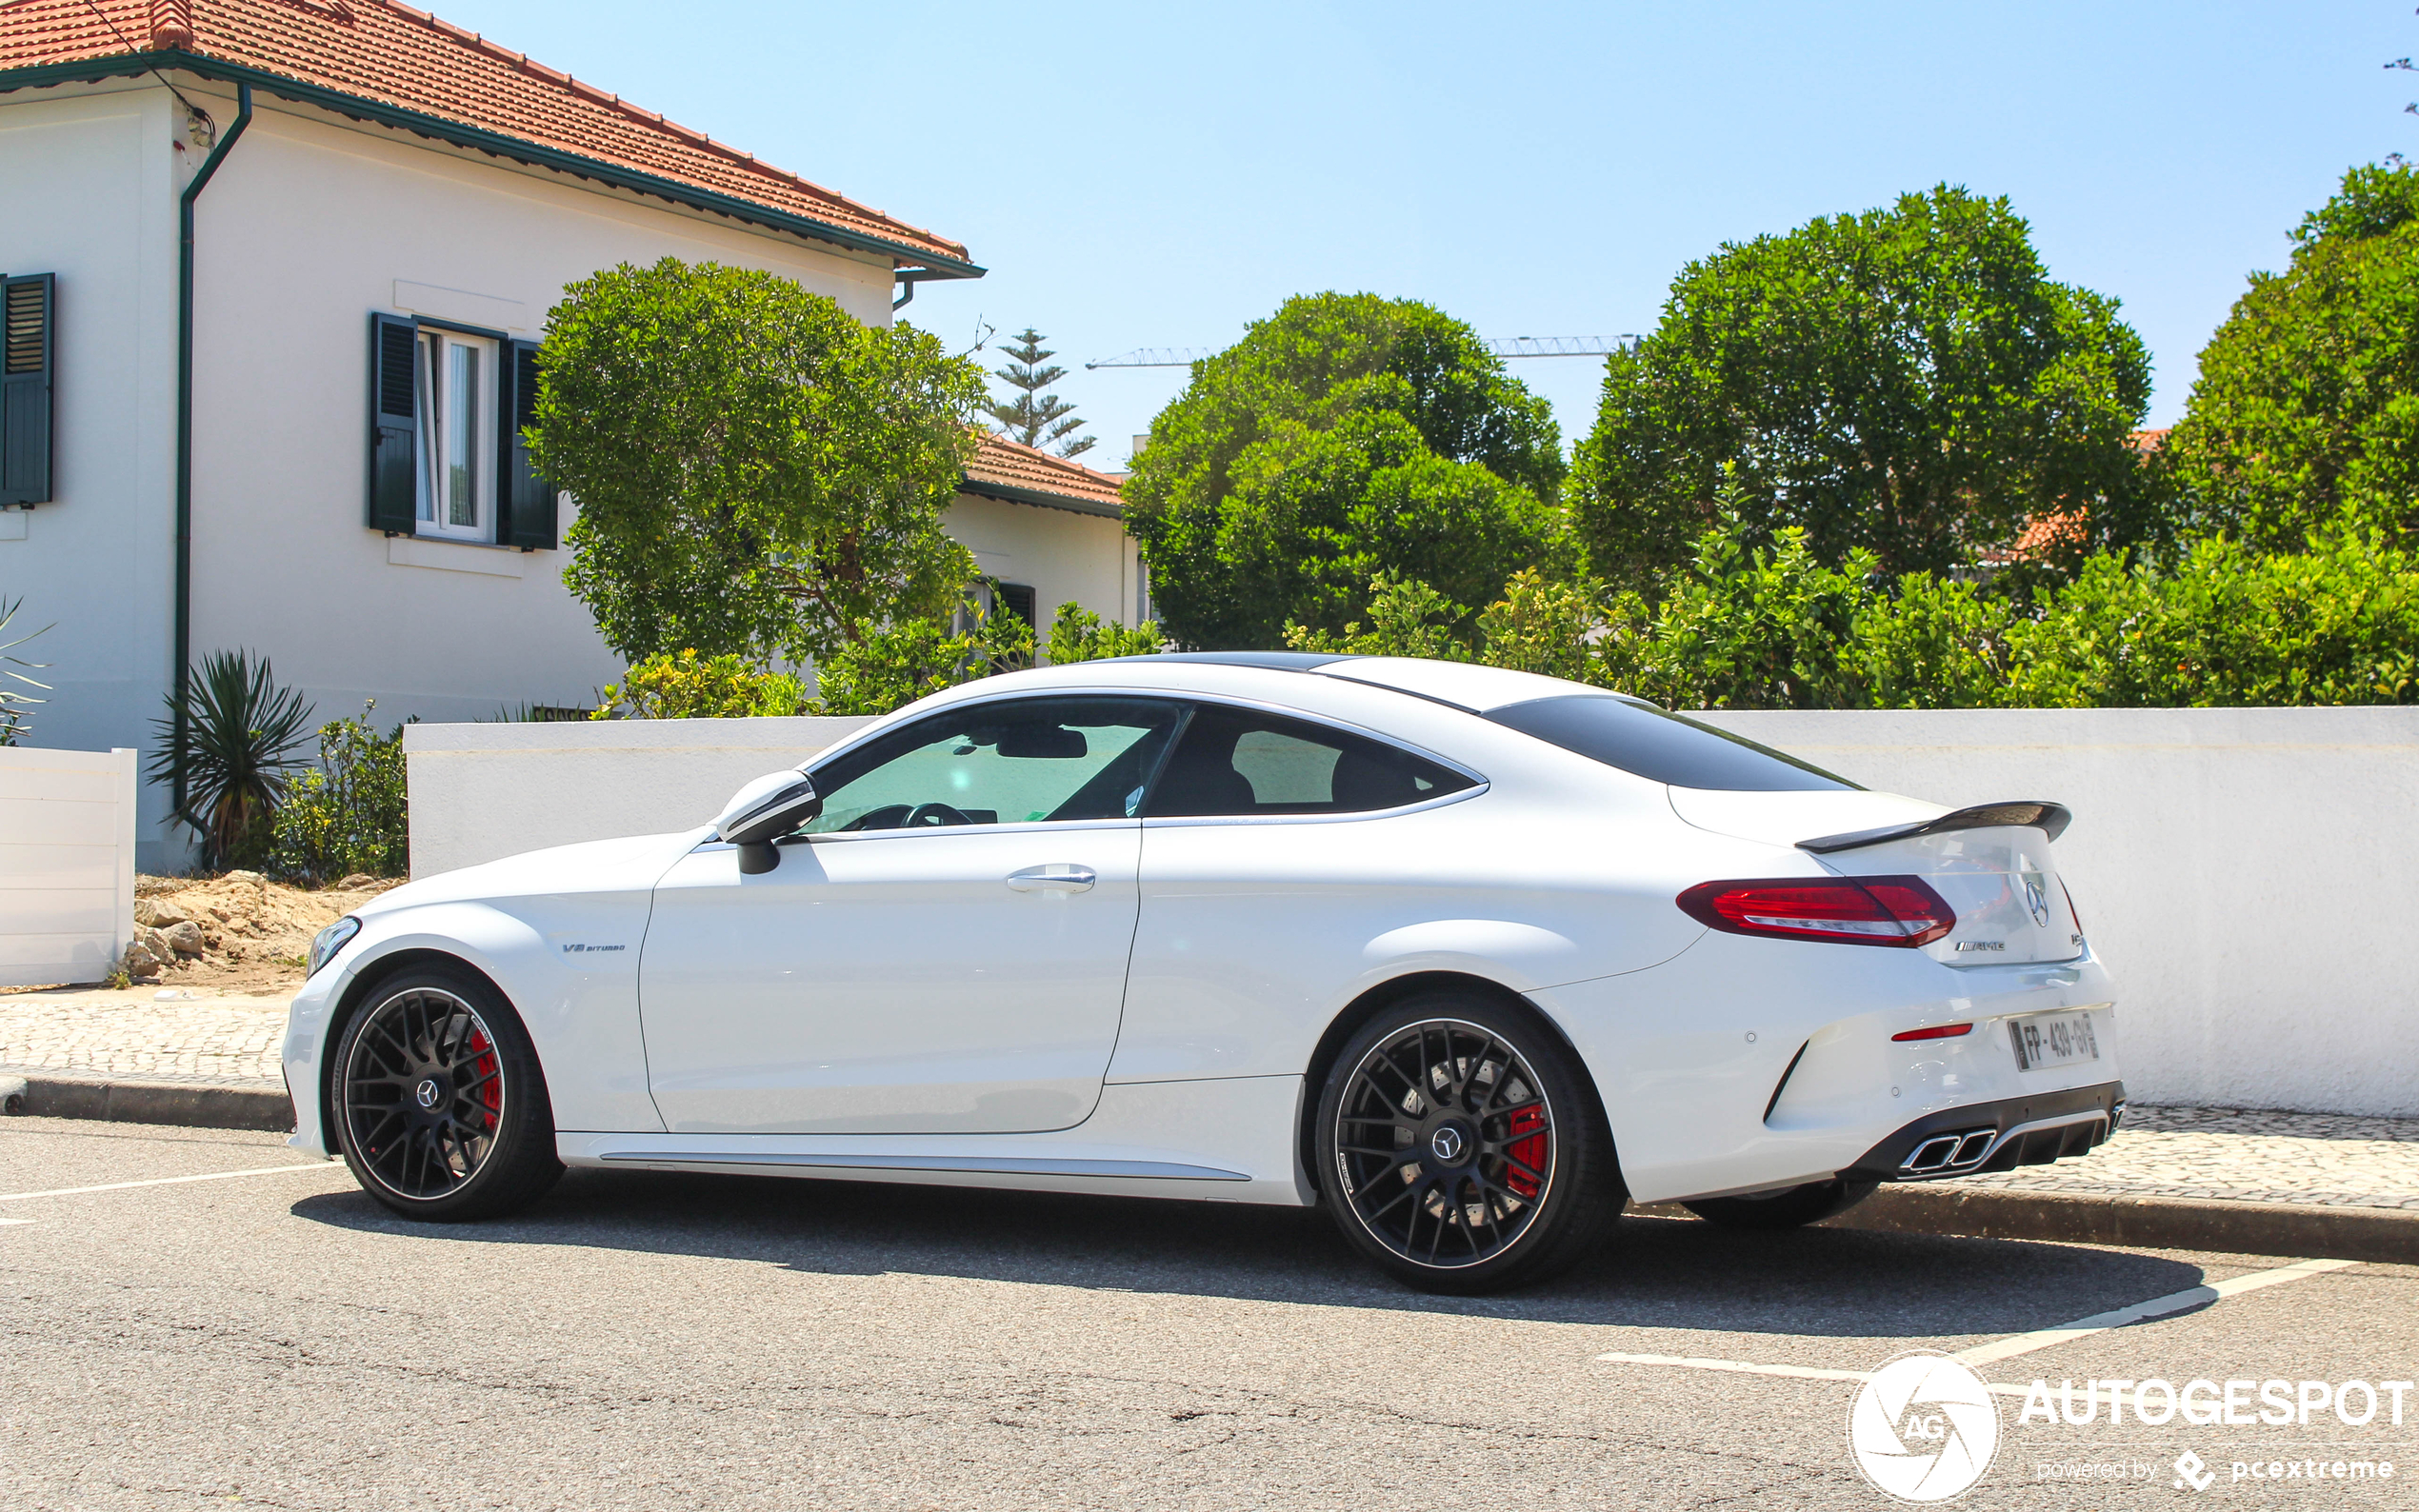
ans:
(15, 699)
(237, 743)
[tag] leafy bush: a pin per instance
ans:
(682, 685)
(894, 665)
(1076, 634)
(348, 814)
(1744, 626)
(234, 745)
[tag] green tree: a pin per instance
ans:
(757, 473)
(1906, 382)
(1347, 437)
(2307, 400)
(1036, 417)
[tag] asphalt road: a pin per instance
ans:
(655, 1342)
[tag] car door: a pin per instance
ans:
(1276, 851)
(941, 950)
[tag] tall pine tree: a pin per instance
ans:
(1034, 417)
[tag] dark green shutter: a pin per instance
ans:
(394, 425)
(28, 354)
(528, 518)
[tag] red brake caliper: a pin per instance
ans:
(1530, 1151)
(490, 1095)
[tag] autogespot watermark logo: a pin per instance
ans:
(1924, 1428)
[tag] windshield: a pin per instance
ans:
(1662, 748)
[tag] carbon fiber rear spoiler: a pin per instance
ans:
(2051, 819)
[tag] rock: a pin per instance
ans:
(139, 959)
(356, 882)
(184, 937)
(158, 912)
(220, 914)
(251, 878)
(155, 941)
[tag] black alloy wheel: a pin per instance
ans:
(442, 1113)
(1782, 1207)
(1460, 1150)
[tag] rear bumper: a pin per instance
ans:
(1995, 1135)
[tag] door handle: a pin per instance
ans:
(1058, 876)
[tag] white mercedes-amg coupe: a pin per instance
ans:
(1471, 957)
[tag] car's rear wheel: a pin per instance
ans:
(442, 1109)
(1784, 1206)
(1460, 1148)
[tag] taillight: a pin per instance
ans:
(1863, 910)
(2072, 912)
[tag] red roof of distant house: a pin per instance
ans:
(390, 54)
(1010, 470)
(2149, 440)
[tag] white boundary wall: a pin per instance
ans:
(484, 791)
(2248, 873)
(2251, 876)
(66, 864)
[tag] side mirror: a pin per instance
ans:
(771, 805)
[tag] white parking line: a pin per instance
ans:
(2156, 1308)
(2023, 1343)
(162, 1181)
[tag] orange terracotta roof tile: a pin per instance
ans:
(390, 54)
(1006, 469)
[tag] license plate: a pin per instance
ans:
(2053, 1040)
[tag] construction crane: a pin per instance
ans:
(1500, 345)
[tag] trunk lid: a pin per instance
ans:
(2000, 878)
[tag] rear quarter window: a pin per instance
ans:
(1642, 740)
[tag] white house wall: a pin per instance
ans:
(308, 228)
(1064, 555)
(88, 191)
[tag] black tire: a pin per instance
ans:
(441, 1109)
(1782, 1207)
(1524, 1186)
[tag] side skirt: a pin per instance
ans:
(1224, 1140)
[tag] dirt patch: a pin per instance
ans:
(252, 935)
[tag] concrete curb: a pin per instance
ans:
(134, 1100)
(2300, 1230)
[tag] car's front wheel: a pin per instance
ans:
(442, 1109)
(1460, 1148)
(1783, 1207)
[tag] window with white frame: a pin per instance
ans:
(449, 414)
(453, 376)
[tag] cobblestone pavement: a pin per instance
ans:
(206, 1037)
(2241, 1155)
(2226, 1153)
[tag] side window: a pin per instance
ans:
(1234, 762)
(1000, 764)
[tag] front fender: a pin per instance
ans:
(569, 965)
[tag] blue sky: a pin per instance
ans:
(1159, 175)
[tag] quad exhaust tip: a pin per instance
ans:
(1949, 1152)
(2035, 1144)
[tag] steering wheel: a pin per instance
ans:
(934, 815)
